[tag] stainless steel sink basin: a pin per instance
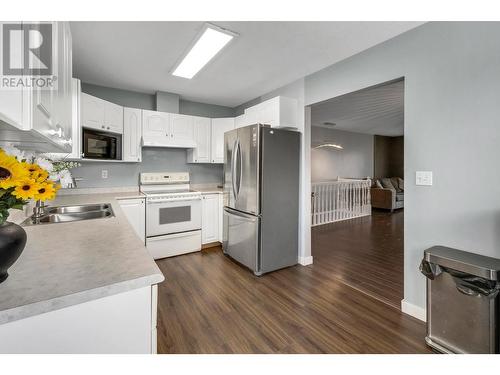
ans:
(78, 209)
(66, 214)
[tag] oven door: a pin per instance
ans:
(167, 217)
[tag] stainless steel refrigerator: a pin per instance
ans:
(261, 186)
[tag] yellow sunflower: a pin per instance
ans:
(26, 189)
(46, 191)
(36, 172)
(11, 171)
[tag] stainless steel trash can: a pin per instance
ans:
(463, 314)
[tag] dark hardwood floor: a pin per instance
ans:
(209, 304)
(365, 253)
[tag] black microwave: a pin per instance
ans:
(101, 145)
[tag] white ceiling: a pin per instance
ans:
(378, 110)
(139, 56)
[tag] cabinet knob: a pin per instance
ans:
(108, 127)
(103, 127)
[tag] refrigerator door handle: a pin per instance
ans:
(241, 214)
(233, 167)
(240, 166)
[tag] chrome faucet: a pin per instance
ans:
(39, 209)
(74, 181)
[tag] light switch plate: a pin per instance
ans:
(423, 178)
(104, 173)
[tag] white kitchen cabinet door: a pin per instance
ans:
(135, 212)
(242, 120)
(132, 133)
(221, 216)
(76, 127)
(279, 112)
(92, 112)
(43, 115)
(155, 126)
(201, 153)
(210, 218)
(181, 128)
(219, 127)
(113, 117)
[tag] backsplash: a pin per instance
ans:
(153, 160)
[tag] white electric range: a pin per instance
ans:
(173, 214)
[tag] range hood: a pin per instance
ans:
(168, 143)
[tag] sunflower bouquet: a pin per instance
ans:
(20, 181)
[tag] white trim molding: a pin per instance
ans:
(414, 310)
(305, 261)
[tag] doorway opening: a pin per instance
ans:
(357, 185)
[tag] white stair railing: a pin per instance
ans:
(340, 200)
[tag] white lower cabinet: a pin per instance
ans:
(221, 217)
(135, 212)
(210, 218)
(123, 323)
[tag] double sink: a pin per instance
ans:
(66, 214)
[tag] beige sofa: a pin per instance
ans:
(388, 193)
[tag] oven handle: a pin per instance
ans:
(174, 200)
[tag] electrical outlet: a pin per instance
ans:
(104, 173)
(423, 178)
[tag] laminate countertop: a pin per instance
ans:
(65, 264)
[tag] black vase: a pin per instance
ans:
(12, 242)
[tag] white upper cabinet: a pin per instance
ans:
(181, 127)
(219, 127)
(161, 129)
(242, 120)
(101, 114)
(132, 133)
(42, 115)
(155, 127)
(279, 112)
(92, 112)
(113, 117)
(201, 153)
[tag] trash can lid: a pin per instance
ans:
(474, 264)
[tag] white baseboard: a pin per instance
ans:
(413, 310)
(305, 261)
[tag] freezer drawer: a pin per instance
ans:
(241, 238)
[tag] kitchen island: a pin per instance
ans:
(81, 287)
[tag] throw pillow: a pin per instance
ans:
(401, 184)
(386, 183)
(395, 183)
(378, 185)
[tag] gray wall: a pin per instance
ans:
(452, 112)
(355, 160)
(201, 109)
(125, 98)
(167, 102)
(388, 158)
(153, 159)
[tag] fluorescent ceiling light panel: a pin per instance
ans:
(208, 44)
